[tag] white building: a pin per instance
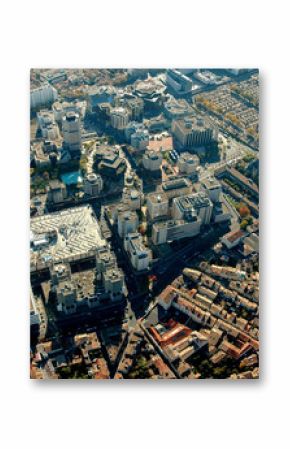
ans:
(140, 256)
(152, 160)
(157, 205)
(47, 125)
(43, 95)
(127, 222)
(171, 230)
(60, 108)
(93, 184)
(119, 118)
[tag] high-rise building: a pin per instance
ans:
(157, 205)
(71, 128)
(140, 255)
(213, 188)
(93, 184)
(152, 160)
(193, 131)
(119, 118)
(127, 222)
(43, 95)
(197, 202)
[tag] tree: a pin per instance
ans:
(243, 209)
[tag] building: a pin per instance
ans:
(119, 118)
(140, 139)
(188, 163)
(179, 82)
(176, 108)
(66, 294)
(109, 162)
(113, 279)
(157, 205)
(192, 132)
(132, 128)
(176, 187)
(57, 191)
(171, 230)
(140, 255)
(43, 95)
(65, 236)
(233, 238)
(60, 108)
(71, 129)
(132, 198)
(127, 222)
(98, 95)
(134, 105)
(152, 160)
(150, 91)
(213, 188)
(44, 153)
(105, 260)
(47, 125)
(198, 203)
(93, 184)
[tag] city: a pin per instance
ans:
(144, 224)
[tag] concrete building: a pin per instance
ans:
(119, 118)
(127, 222)
(140, 256)
(140, 139)
(105, 260)
(171, 230)
(132, 128)
(176, 108)
(198, 203)
(109, 162)
(71, 129)
(66, 236)
(132, 198)
(152, 160)
(213, 188)
(43, 95)
(176, 187)
(57, 191)
(47, 125)
(93, 184)
(188, 163)
(60, 108)
(157, 205)
(97, 95)
(193, 131)
(113, 280)
(179, 82)
(66, 294)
